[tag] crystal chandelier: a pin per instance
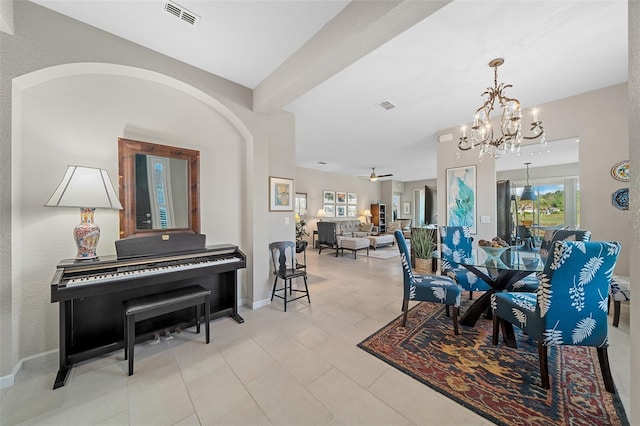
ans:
(510, 138)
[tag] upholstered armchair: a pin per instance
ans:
(570, 305)
(426, 288)
(392, 227)
(456, 245)
(327, 236)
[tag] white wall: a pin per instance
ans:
(68, 92)
(540, 173)
(408, 194)
(77, 120)
(599, 120)
(485, 186)
(313, 182)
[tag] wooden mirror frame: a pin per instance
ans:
(127, 150)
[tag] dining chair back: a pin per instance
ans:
(531, 282)
(455, 246)
(562, 235)
(285, 267)
(524, 237)
(426, 287)
(570, 305)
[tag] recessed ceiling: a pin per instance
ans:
(434, 72)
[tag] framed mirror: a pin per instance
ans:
(159, 188)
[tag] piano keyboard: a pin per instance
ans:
(144, 272)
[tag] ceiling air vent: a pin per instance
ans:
(180, 12)
(387, 105)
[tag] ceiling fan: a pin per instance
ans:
(374, 177)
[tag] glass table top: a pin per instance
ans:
(509, 258)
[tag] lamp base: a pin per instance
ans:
(87, 235)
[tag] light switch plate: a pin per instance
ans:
(485, 219)
(286, 220)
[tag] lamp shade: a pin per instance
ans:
(367, 213)
(528, 194)
(85, 187)
(321, 213)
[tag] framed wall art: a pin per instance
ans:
(341, 197)
(329, 210)
(352, 198)
(461, 197)
(280, 194)
(352, 211)
(341, 211)
(406, 208)
(328, 197)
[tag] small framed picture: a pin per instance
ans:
(341, 197)
(341, 211)
(280, 194)
(328, 197)
(352, 211)
(406, 207)
(352, 198)
(329, 210)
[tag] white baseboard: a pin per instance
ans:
(9, 380)
(260, 303)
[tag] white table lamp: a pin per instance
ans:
(86, 188)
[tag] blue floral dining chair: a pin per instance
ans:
(456, 245)
(531, 282)
(570, 305)
(426, 288)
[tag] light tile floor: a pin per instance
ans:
(294, 368)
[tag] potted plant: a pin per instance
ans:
(423, 244)
(301, 244)
(301, 232)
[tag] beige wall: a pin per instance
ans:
(408, 193)
(599, 119)
(313, 182)
(68, 92)
(485, 185)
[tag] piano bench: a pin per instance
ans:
(153, 305)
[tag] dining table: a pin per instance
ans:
(499, 270)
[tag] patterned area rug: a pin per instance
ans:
(499, 383)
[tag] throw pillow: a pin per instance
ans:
(366, 227)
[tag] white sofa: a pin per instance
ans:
(354, 228)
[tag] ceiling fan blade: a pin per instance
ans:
(381, 176)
